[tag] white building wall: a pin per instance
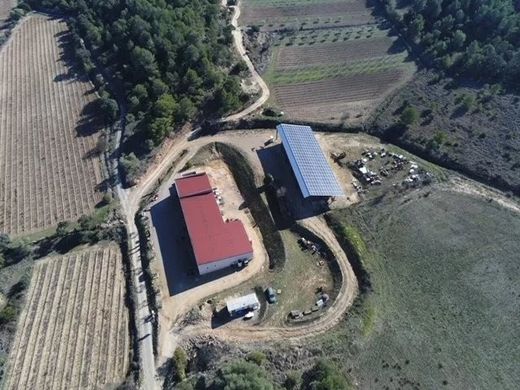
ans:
(221, 264)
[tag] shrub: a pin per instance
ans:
(242, 375)
(8, 314)
(324, 376)
(291, 381)
(409, 116)
(180, 364)
(256, 357)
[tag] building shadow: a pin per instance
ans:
(177, 255)
(275, 162)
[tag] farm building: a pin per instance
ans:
(236, 306)
(313, 173)
(216, 243)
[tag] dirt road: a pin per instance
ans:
(239, 45)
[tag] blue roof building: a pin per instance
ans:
(313, 173)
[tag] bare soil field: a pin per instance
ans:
(481, 140)
(272, 16)
(289, 57)
(5, 9)
(48, 172)
(329, 100)
(73, 332)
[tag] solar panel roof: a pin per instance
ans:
(312, 171)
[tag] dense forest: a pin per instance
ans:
(479, 39)
(169, 60)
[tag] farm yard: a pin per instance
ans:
(335, 74)
(49, 170)
(73, 332)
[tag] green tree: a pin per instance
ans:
(63, 228)
(109, 108)
(180, 364)
(242, 375)
(409, 116)
(324, 376)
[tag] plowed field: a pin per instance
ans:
(73, 332)
(47, 131)
(297, 56)
(293, 14)
(327, 100)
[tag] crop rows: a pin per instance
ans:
(317, 36)
(47, 172)
(299, 13)
(294, 56)
(329, 99)
(73, 332)
(316, 73)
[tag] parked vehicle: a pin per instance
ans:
(271, 295)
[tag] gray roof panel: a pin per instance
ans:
(313, 173)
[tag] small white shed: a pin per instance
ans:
(236, 306)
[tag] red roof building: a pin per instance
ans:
(216, 244)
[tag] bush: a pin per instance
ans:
(291, 381)
(256, 357)
(409, 116)
(8, 314)
(324, 376)
(131, 167)
(242, 376)
(180, 364)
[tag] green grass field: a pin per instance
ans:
(297, 281)
(445, 272)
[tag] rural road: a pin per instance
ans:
(239, 44)
(130, 198)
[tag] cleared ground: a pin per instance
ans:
(335, 73)
(273, 15)
(445, 274)
(5, 9)
(73, 332)
(48, 123)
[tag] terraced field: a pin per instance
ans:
(329, 62)
(336, 76)
(292, 14)
(74, 331)
(48, 123)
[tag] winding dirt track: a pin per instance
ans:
(239, 45)
(330, 319)
(317, 225)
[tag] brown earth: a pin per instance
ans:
(318, 54)
(73, 332)
(252, 14)
(329, 100)
(48, 172)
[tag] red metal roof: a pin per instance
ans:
(193, 185)
(211, 237)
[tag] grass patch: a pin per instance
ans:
(317, 73)
(444, 302)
